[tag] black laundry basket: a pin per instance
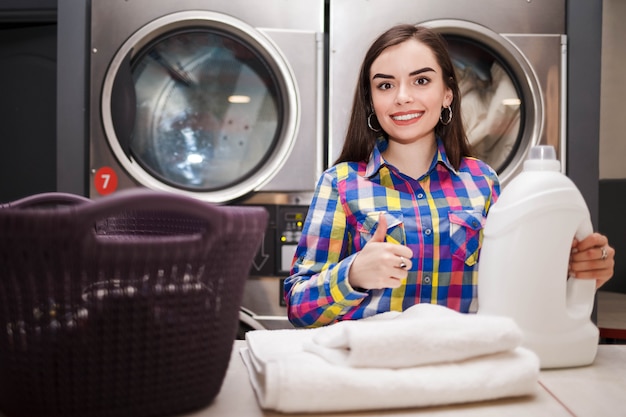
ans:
(123, 306)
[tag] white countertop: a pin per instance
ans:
(590, 391)
(596, 390)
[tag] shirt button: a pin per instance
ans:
(426, 280)
(427, 232)
(420, 195)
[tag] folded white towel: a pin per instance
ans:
(423, 334)
(288, 379)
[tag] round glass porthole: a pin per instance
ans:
(502, 107)
(213, 110)
(491, 101)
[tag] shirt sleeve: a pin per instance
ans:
(318, 291)
(494, 187)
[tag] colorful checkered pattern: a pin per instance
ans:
(440, 217)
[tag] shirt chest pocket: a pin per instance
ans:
(395, 226)
(465, 235)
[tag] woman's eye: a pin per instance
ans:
(384, 86)
(422, 81)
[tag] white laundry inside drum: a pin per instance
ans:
(491, 103)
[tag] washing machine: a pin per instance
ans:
(219, 100)
(510, 58)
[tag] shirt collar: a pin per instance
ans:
(376, 160)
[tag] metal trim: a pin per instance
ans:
(256, 38)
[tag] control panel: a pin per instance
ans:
(282, 235)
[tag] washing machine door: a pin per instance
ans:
(200, 103)
(502, 98)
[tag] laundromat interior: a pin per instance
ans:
(78, 79)
(62, 59)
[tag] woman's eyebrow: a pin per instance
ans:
(422, 70)
(412, 73)
(390, 77)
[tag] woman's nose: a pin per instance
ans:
(403, 95)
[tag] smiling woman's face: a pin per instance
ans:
(408, 91)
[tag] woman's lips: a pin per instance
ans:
(406, 118)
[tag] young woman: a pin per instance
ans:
(398, 219)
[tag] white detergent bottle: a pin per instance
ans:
(524, 260)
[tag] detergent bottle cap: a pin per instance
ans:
(542, 158)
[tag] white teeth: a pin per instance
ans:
(406, 116)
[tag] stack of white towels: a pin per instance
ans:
(428, 355)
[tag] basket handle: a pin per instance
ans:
(139, 199)
(46, 199)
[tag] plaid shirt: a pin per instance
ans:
(439, 216)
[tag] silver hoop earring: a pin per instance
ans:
(447, 122)
(369, 123)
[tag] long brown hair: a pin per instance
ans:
(360, 139)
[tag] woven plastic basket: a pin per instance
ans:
(123, 306)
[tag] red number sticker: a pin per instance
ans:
(105, 181)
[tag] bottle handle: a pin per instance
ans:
(581, 292)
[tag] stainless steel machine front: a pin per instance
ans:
(510, 57)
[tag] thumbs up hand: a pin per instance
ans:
(380, 264)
